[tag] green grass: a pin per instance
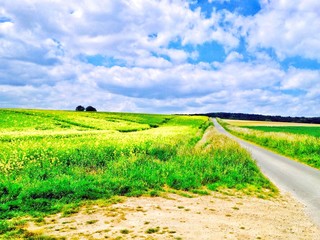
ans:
(44, 170)
(302, 130)
(153, 230)
(299, 143)
(22, 120)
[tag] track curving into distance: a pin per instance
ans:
(302, 181)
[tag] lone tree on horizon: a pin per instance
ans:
(91, 109)
(80, 108)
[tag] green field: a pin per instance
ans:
(52, 161)
(302, 130)
(301, 143)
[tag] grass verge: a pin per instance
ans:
(301, 147)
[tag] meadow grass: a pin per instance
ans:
(243, 123)
(301, 130)
(45, 167)
(298, 142)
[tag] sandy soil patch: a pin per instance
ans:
(218, 216)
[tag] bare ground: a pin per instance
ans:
(228, 215)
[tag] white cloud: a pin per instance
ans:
(238, 75)
(233, 56)
(43, 45)
(291, 28)
(175, 55)
(231, 86)
(112, 28)
(301, 79)
(176, 82)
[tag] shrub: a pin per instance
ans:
(91, 109)
(80, 108)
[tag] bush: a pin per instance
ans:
(91, 109)
(80, 108)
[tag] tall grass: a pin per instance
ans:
(41, 173)
(302, 147)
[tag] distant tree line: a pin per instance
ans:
(88, 109)
(258, 117)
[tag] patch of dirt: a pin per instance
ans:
(217, 216)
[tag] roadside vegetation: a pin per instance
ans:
(301, 130)
(52, 161)
(301, 143)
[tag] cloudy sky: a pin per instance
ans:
(162, 56)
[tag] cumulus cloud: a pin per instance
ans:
(150, 60)
(291, 28)
(259, 88)
(233, 56)
(122, 29)
(301, 79)
(175, 82)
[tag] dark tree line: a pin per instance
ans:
(258, 117)
(88, 109)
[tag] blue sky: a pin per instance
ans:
(170, 56)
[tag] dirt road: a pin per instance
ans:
(217, 216)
